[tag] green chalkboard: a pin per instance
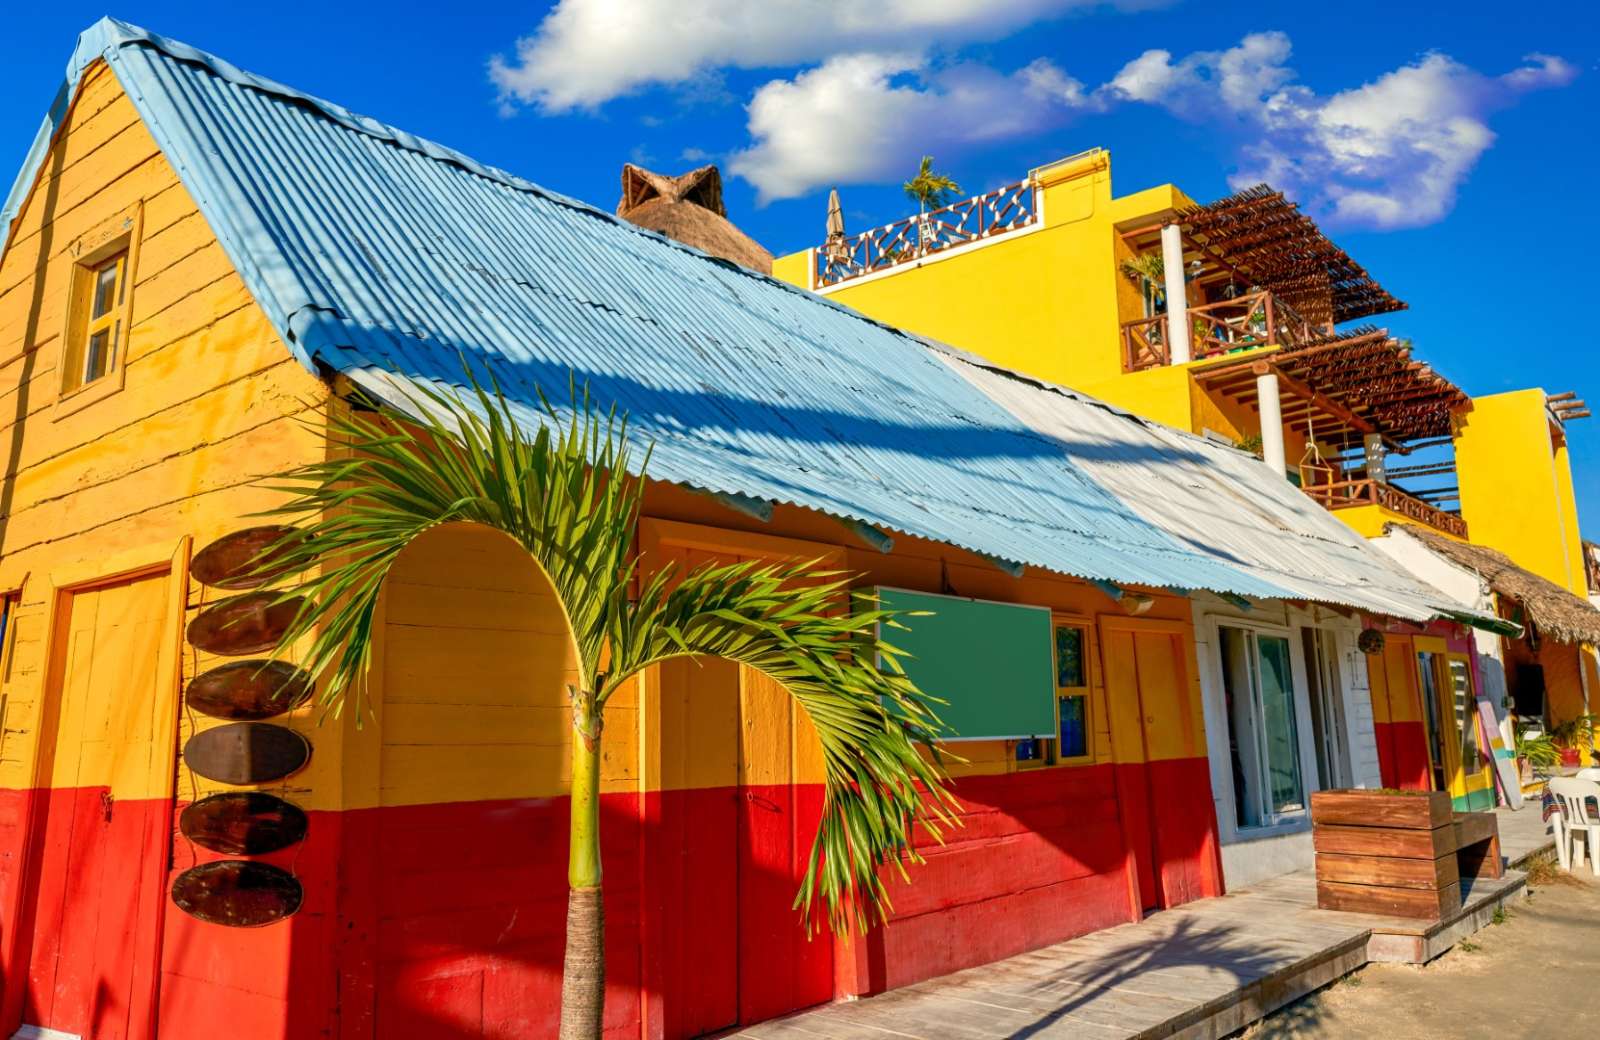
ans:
(991, 663)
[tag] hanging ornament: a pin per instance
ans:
(1370, 641)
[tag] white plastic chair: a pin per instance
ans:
(1577, 821)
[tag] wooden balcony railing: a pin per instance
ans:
(1343, 494)
(1253, 320)
(983, 216)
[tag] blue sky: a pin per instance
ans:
(1452, 154)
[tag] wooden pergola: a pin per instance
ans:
(1261, 239)
(1347, 385)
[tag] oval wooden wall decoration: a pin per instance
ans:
(245, 624)
(256, 689)
(243, 823)
(236, 561)
(246, 753)
(237, 893)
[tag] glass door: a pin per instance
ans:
(1327, 710)
(1262, 730)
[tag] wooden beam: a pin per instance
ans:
(1316, 397)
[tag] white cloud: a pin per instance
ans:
(866, 117)
(587, 52)
(1236, 77)
(1390, 153)
(868, 88)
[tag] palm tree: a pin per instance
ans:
(929, 189)
(570, 495)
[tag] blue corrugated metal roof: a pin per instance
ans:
(371, 250)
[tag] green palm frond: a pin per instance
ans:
(786, 621)
(929, 188)
(1148, 266)
(569, 493)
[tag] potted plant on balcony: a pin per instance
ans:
(930, 189)
(1147, 269)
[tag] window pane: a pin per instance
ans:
(1069, 656)
(1238, 689)
(98, 357)
(1430, 706)
(105, 289)
(1074, 726)
(1281, 745)
(1466, 712)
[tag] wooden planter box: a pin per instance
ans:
(1388, 853)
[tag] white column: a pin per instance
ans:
(1177, 299)
(1271, 410)
(1373, 444)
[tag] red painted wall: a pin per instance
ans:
(1039, 859)
(447, 921)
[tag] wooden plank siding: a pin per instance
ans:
(434, 862)
(96, 484)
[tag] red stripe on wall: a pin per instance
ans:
(80, 958)
(1188, 854)
(448, 921)
(1039, 859)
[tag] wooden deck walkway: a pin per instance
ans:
(1202, 970)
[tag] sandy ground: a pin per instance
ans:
(1537, 974)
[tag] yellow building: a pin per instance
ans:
(1060, 277)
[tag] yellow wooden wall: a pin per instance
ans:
(102, 482)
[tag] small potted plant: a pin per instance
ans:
(1535, 751)
(1574, 738)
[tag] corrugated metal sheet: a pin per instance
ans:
(372, 251)
(1211, 497)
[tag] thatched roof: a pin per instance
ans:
(1558, 613)
(689, 209)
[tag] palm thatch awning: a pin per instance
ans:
(1262, 234)
(1555, 611)
(1348, 384)
(689, 208)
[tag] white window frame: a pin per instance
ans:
(1267, 816)
(1332, 696)
(1269, 618)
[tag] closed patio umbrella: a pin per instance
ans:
(833, 245)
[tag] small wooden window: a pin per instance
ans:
(95, 341)
(1075, 733)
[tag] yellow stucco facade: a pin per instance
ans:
(1516, 485)
(1050, 300)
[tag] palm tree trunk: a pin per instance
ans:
(583, 978)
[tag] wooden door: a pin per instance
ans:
(102, 831)
(741, 777)
(700, 847)
(1158, 743)
(781, 969)
(1398, 719)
